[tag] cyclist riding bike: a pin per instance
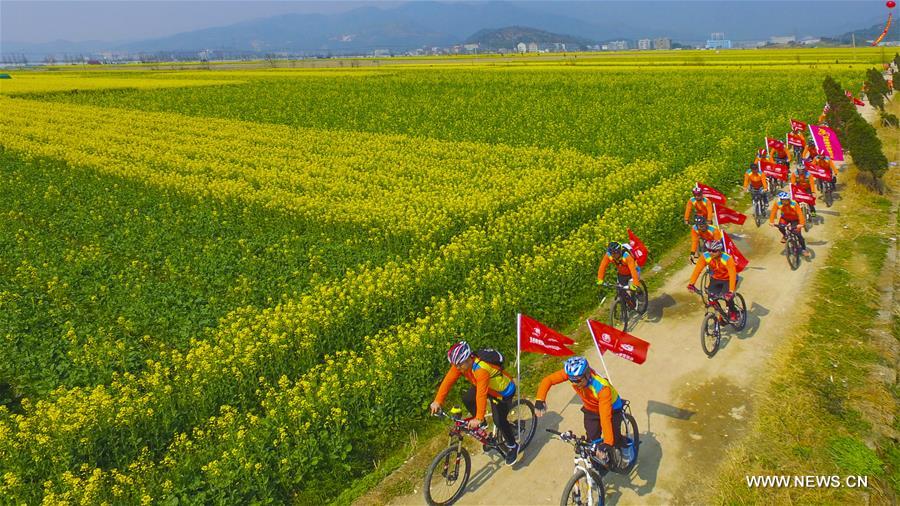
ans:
(626, 267)
(722, 276)
(705, 231)
(798, 150)
(824, 161)
(801, 178)
(698, 205)
(810, 152)
(601, 404)
(757, 183)
(791, 216)
(488, 380)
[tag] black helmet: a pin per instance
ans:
(613, 247)
(754, 165)
(700, 221)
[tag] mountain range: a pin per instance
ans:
(423, 24)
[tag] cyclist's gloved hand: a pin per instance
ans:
(540, 407)
(633, 287)
(435, 407)
(474, 423)
(599, 282)
(692, 288)
(729, 295)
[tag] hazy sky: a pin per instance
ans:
(128, 20)
(119, 20)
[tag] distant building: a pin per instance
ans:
(618, 45)
(532, 47)
(717, 40)
(644, 44)
(662, 43)
(470, 47)
(521, 47)
(786, 39)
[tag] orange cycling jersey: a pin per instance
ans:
(805, 183)
(755, 179)
(488, 380)
(789, 212)
(708, 233)
(701, 206)
(625, 266)
(721, 268)
(598, 396)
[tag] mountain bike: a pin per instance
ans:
(827, 191)
(448, 473)
(759, 206)
(792, 248)
(627, 304)
(716, 318)
(586, 485)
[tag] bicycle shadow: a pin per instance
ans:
(541, 437)
(642, 479)
(657, 307)
(754, 319)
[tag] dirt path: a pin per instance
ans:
(688, 407)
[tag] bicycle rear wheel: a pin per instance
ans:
(580, 492)
(710, 335)
(447, 476)
(704, 286)
(618, 314)
(523, 422)
(629, 431)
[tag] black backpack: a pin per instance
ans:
(491, 356)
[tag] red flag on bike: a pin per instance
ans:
(620, 343)
(818, 171)
(801, 196)
(797, 124)
(773, 169)
(740, 261)
(728, 215)
(713, 194)
(638, 248)
(795, 140)
(775, 144)
(535, 337)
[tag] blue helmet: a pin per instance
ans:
(783, 195)
(576, 367)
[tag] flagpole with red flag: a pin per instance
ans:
(716, 217)
(599, 351)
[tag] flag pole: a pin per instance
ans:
(716, 218)
(518, 373)
(599, 351)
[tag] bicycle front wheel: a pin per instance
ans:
(618, 314)
(523, 422)
(641, 298)
(741, 306)
(793, 252)
(584, 491)
(447, 476)
(709, 334)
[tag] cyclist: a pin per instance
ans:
(825, 162)
(781, 156)
(702, 230)
(626, 267)
(761, 156)
(801, 178)
(602, 406)
(791, 216)
(698, 204)
(798, 150)
(722, 275)
(488, 380)
(810, 152)
(757, 183)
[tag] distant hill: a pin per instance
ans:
(865, 35)
(508, 37)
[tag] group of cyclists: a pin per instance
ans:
(602, 407)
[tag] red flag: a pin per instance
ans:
(854, 99)
(797, 125)
(713, 194)
(775, 144)
(818, 171)
(728, 215)
(638, 248)
(795, 140)
(619, 343)
(801, 196)
(774, 170)
(536, 337)
(740, 261)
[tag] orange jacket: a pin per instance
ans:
(710, 233)
(827, 164)
(481, 375)
(802, 140)
(598, 396)
(721, 268)
(807, 184)
(757, 180)
(702, 206)
(783, 153)
(789, 212)
(625, 266)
